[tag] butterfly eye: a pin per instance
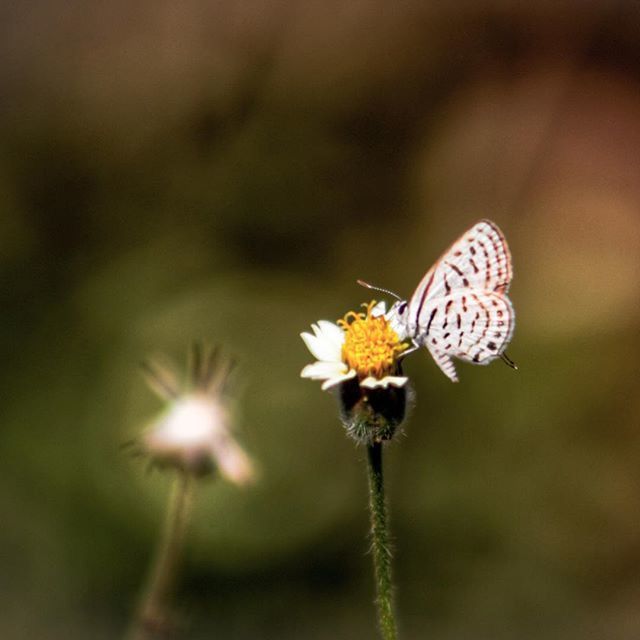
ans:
(402, 307)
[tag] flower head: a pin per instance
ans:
(194, 432)
(362, 345)
(361, 355)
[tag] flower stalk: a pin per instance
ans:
(361, 357)
(153, 618)
(380, 544)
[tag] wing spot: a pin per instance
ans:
(492, 346)
(487, 317)
(498, 251)
(488, 261)
(474, 265)
(446, 335)
(433, 313)
(498, 334)
(422, 299)
(455, 268)
(501, 288)
(459, 321)
(465, 282)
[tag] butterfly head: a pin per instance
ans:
(397, 316)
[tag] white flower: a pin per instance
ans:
(194, 433)
(361, 345)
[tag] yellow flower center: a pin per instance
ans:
(371, 346)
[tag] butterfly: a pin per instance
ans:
(460, 309)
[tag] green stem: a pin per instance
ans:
(153, 618)
(380, 544)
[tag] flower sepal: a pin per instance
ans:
(372, 415)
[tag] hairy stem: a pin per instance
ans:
(380, 544)
(153, 617)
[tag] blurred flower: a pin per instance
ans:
(361, 356)
(194, 432)
(361, 345)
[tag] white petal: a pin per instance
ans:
(233, 462)
(332, 332)
(394, 381)
(323, 370)
(321, 348)
(379, 310)
(332, 382)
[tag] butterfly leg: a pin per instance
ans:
(414, 347)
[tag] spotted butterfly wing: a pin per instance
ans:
(460, 308)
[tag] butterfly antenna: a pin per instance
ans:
(362, 283)
(508, 361)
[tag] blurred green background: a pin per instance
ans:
(225, 171)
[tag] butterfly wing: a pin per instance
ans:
(473, 326)
(460, 307)
(479, 259)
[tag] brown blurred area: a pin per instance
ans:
(225, 171)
